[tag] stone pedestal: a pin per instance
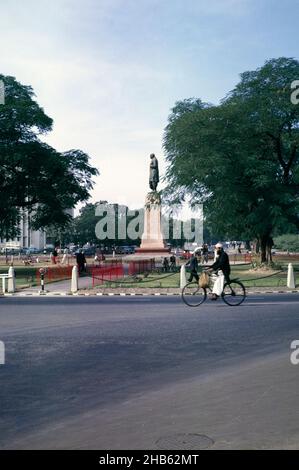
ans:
(152, 242)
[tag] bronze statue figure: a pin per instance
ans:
(154, 173)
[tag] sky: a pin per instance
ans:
(109, 71)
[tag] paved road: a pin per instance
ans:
(127, 372)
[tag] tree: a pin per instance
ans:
(34, 176)
(287, 242)
(84, 226)
(240, 158)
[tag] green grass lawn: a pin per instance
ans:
(25, 275)
(259, 279)
(250, 279)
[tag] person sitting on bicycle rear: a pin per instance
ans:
(222, 268)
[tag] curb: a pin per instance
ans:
(124, 294)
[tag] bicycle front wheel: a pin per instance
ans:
(234, 293)
(193, 295)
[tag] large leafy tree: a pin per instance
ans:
(84, 225)
(240, 158)
(34, 176)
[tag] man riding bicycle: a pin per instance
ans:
(221, 268)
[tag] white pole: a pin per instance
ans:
(11, 284)
(75, 283)
(291, 278)
(183, 280)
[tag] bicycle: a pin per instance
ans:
(233, 293)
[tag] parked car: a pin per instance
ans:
(91, 251)
(32, 250)
(125, 250)
(48, 249)
(74, 249)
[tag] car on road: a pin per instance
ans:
(125, 250)
(32, 250)
(90, 251)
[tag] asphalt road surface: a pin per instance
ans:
(148, 373)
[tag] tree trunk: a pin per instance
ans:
(270, 244)
(263, 249)
(266, 244)
(269, 255)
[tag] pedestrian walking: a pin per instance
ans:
(193, 264)
(81, 261)
(172, 260)
(165, 265)
(54, 256)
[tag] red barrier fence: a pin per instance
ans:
(110, 272)
(101, 273)
(56, 274)
(141, 266)
(245, 257)
(107, 272)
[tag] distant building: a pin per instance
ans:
(27, 237)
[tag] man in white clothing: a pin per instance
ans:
(221, 267)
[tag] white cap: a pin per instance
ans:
(219, 245)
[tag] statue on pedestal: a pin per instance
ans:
(152, 242)
(154, 172)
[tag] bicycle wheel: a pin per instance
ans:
(193, 295)
(233, 293)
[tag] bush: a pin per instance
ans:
(288, 242)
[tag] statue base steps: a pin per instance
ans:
(152, 252)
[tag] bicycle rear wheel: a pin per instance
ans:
(233, 293)
(193, 295)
